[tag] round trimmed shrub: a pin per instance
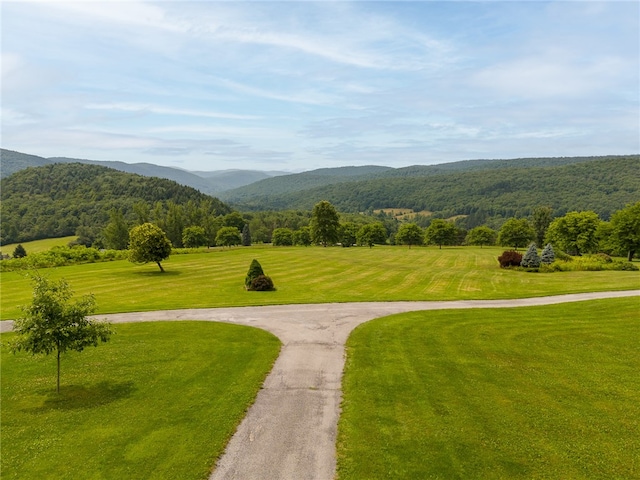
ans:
(262, 283)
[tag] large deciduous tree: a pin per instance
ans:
(228, 236)
(53, 323)
(410, 234)
(575, 233)
(324, 224)
(481, 235)
(194, 236)
(148, 243)
(625, 225)
(282, 237)
(372, 233)
(516, 233)
(440, 232)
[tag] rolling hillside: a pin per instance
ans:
(207, 182)
(54, 200)
(492, 189)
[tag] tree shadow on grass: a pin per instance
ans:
(158, 273)
(73, 397)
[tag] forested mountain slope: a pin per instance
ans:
(603, 185)
(53, 200)
(298, 182)
(278, 186)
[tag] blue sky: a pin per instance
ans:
(294, 86)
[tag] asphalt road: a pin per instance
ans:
(290, 431)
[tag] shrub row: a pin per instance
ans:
(61, 256)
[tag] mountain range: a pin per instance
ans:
(211, 182)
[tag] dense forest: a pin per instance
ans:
(329, 176)
(603, 185)
(55, 200)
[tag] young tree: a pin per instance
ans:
(246, 236)
(515, 232)
(372, 233)
(116, 233)
(193, 237)
(228, 236)
(625, 226)
(53, 323)
(440, 232)
(548, 255)
(148, 243)
(324, 224)
(540, 221)
(409, 234)
(531, 258)
(575, 233)
(19, 251)
(282, 237)
(481, 235)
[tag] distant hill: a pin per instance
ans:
(12, 162)
(478, 189)
(207, 182)
(298, 182)
(54, 200)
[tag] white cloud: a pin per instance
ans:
(146, 108)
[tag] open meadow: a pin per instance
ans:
(215, 278)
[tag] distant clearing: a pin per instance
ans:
(403, 213)
(36, 246)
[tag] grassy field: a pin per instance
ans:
(549, 392)
(309, 275)
(38, 245)
(159, 400)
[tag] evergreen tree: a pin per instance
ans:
(19, 252)
(255, 270)
(531, 258)
(548, 255)
(246, 235)
(116, 233)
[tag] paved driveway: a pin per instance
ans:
(290, 431)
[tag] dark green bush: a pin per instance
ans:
(262, 283)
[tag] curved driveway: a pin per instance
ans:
(290, 431)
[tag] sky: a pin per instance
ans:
(298, 85)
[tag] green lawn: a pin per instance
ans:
(309, 275)
(38, 245)
(549, 392)
(159, 400)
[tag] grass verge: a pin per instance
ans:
(309, 275)
(159, 400)
(547, 392)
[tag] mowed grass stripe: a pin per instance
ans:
(544, 392)
(308, 275)
(160, 400)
